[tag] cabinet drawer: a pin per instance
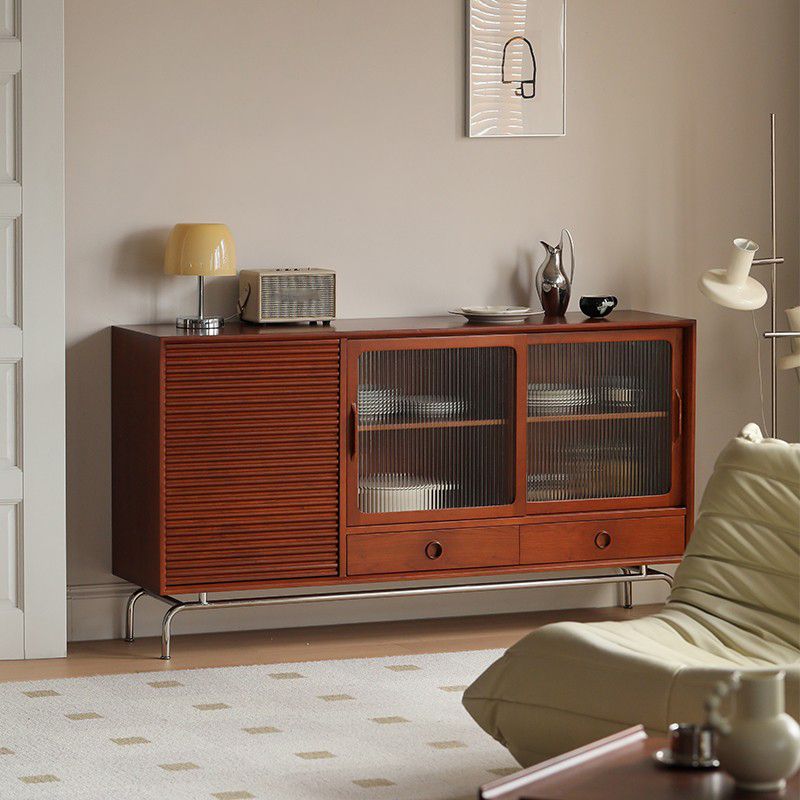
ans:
(419, 551)
(601, 539)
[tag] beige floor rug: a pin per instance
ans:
(390, 728)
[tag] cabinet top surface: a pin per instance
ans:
(414, 326)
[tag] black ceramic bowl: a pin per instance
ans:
(597, 306)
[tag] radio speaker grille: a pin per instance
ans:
(289, 296)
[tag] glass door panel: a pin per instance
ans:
(599, 420)
(435, 429)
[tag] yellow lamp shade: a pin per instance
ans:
(202, 248)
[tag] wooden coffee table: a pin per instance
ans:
(621, 767)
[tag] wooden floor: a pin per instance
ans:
(192, 651)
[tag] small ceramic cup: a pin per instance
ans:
(692, 745)
(596, 306)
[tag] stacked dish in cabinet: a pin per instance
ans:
(377, 404)
(614, 394)
(383, 494)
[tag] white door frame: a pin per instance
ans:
(32, 340)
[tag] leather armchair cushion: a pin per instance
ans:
(735, 605)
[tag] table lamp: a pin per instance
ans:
(734, 288)
(202, 249)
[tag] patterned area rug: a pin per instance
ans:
(370, 728)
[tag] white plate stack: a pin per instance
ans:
(430, 406)
(548, 486)
(620, 392)
(547, 398)
(377, 402)
(384, 494)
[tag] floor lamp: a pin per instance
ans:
(734, 288)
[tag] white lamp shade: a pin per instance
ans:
(733, 287)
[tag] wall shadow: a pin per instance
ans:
(139, 266)
(88, 462)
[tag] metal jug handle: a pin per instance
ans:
(572, 252)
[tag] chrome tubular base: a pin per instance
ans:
(627, 577)
(627, 586)
(199, 323)
(129, 608)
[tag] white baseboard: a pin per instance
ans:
(97, 611)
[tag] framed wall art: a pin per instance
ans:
(516, 68)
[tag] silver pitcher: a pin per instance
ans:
(552, 284)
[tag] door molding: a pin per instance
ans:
(32, 319)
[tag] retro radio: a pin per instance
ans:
(293, 294)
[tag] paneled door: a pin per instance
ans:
(432, 428)
(32, 535)
(604, 421)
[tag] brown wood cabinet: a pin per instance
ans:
(374, 450)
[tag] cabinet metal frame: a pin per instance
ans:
(627, 577)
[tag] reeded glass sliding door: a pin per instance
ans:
(432, 428)
(603, 421)
(435, 425)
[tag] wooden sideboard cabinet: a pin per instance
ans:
(398, 449)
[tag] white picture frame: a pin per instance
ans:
(516, 68)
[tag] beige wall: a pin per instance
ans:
(330, 132)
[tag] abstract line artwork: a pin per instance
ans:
(516, 69)
(519, 66)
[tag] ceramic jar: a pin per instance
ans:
(759, 744)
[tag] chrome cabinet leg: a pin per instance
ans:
(166, 630)
(129, 611)
(627, 586)
(667, 578)
(627, 594)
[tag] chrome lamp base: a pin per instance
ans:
(200, 323)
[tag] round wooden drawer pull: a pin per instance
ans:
(433, 550)
(602, 540)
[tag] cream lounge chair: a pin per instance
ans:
(735, 605)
